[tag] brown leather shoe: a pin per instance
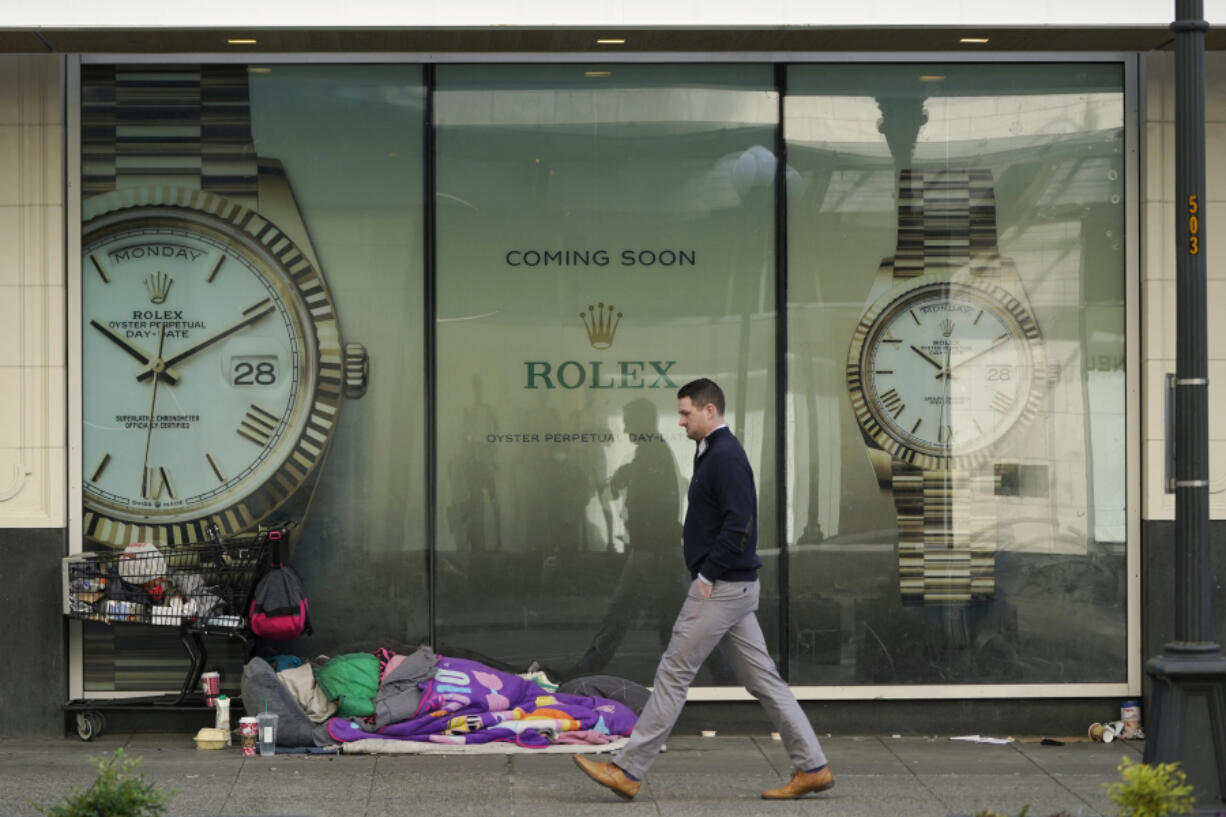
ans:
(610, 776)
(801, 783)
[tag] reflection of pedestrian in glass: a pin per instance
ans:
(592, 463)
(720, 547)
(473, 477)
(649, 578)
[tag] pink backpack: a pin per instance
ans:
(280, 610)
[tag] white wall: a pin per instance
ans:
(1158, 275)
(33, 479)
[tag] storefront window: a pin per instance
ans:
(257, 230)
(975, 376)
(605, 234)
(955, 478)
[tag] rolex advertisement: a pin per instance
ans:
(242, 285)
(452, 362)
(953, 285)
(597, 250)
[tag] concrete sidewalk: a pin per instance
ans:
(875, 777)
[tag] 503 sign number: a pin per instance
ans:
(1193, 225)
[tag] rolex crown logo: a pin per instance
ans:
(157, 284)
(947, 327)
(601, 325)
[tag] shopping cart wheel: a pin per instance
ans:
(89, 725)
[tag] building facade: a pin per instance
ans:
(429, 293)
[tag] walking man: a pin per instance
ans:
(720, 545)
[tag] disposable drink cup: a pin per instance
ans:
(268, 733)
(210, 683)
(1130, 716)
(248, 732)
(1101, 733)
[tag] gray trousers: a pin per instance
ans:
(725, 620)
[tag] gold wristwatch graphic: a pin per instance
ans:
(212, 360)
(946, 367)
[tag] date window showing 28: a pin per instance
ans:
(253, 370)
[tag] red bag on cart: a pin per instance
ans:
(280, 609)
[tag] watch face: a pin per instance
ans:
(940, 373)
(209, 386)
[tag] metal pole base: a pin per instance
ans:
(1186, 721)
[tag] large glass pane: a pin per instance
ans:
(255, 313)
(605, 234)
(956, 488)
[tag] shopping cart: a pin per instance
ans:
(202, 589)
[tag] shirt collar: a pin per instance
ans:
(702, 446)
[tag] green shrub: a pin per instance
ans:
(1148, 790)
(117, 792)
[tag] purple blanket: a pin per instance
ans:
(468, 702)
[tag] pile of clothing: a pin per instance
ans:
(425, 697)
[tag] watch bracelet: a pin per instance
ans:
(168, 126)
(946, 521)
(946, 534)
(946, 221)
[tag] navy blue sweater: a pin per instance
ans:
(721, 524)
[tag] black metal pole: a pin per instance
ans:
(1192, 575)
(1191, 672)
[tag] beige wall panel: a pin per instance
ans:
(1215, 91)
(1158, 290)
(1159, 261)
(33, 478)
(29, 92)
(1158, 320)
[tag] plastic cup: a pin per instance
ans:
(249, 731)
(223, 716)
(268, 732)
